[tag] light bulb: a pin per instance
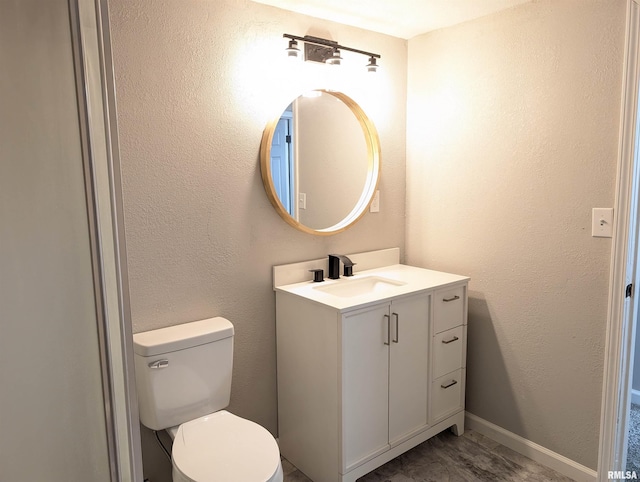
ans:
(293, 52)
(335, 59)
(372, 66)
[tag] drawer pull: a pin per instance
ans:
(446, 342)
(446, 300)
(450, 384)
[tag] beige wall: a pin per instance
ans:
(51, 400)
(636, 361)
(512, 140)
(197, 82)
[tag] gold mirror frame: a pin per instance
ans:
(372, 177)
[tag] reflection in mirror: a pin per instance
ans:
(320, 162)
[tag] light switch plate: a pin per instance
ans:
(302, 200)
(602, 222)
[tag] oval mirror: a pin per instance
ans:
(320, 162)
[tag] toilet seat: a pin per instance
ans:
(224, 447)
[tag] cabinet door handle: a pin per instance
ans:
(446, 300)
(388, 329)
(397, 327)
(446, 342)
(450, 384)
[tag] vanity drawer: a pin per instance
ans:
(448, 308)
(446, 395)
(448, 349)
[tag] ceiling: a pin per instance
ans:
(399, 18)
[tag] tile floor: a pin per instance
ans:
(633, 448)
(447, 458)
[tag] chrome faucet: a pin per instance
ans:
(334, 266)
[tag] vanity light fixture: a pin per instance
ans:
(293, 52)
(372, 66)
(335, 58)
(317, 49)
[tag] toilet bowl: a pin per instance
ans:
(224, 447)
(183, 378)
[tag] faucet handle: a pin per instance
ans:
(334, 265)
(348, 269)
(318, 275)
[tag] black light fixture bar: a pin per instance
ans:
(329, 43)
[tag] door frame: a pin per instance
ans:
(619, 342)
(95, 86)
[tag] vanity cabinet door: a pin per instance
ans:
(365, 384)
(409, 367)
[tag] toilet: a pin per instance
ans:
(183, 377)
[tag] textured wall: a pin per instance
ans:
(197, 81)
(636, 361)
(512, 140)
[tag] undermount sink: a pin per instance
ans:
(358, 287)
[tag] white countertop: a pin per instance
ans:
(413, 280)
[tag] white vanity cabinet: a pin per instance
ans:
(361, 383)
(385, 358)
(449, 352)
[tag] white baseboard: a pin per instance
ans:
(635, 396)
(530, 449)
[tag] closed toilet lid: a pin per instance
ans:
(224, 447)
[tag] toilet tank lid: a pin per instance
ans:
(179, 337)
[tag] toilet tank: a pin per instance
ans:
(183, 371)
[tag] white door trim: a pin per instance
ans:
(619, 342)
(97, 116)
